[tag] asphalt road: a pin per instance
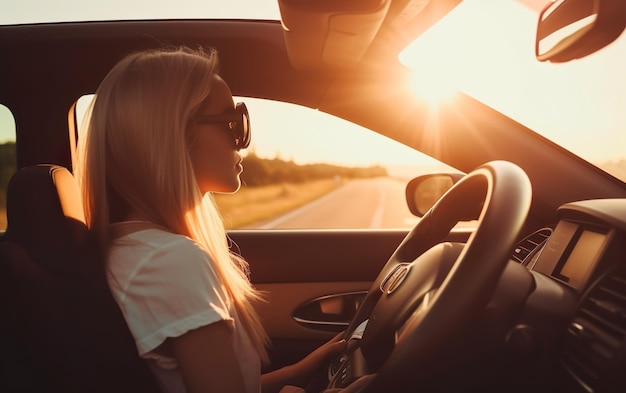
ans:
(366, 203)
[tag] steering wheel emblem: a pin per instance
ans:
(395, 278)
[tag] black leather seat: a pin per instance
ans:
(61, 330)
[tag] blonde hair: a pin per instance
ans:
(135, 155)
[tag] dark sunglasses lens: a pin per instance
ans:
(243, 130)
(237, 124)
(245, 141)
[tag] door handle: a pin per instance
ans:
(331, 312)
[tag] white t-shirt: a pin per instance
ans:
(166, 285)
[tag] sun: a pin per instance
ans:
(435, 74)
(435, 87)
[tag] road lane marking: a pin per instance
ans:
(377, 218)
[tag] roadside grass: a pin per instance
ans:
(254, 204)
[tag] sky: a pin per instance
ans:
(584, 114)
(490, 58)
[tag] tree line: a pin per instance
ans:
(263, 171)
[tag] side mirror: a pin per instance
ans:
(424, 191)
(571, 29)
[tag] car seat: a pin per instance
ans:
(60, 330)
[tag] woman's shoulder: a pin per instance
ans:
(154, 251)
(145, 232)
(157, 242)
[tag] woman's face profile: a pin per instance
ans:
(216, 163)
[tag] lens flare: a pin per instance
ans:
(435, 88)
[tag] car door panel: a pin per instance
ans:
(295, 267)
(284, 299)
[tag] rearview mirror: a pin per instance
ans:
(571, 29)
(424, 191)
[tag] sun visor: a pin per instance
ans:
(322, 34)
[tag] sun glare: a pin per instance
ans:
(436, 70)
(434, 87)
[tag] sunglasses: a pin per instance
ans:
(237, 122)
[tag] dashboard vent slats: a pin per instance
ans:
(532, 243)
(595, 337)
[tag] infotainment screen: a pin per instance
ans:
(572, 252)
(582, 258)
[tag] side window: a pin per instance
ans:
(306, 169)
(8, 160)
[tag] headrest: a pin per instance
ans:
(45, 213)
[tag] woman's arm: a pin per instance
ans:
(300, 374)
(208, 363)
(207, 360)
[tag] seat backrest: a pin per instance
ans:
(61, 330)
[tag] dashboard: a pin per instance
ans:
(584, 259)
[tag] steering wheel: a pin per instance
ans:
(429, 291)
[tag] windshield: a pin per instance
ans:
(485, 48)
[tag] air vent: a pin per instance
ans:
(594, 338)
(531, 244)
